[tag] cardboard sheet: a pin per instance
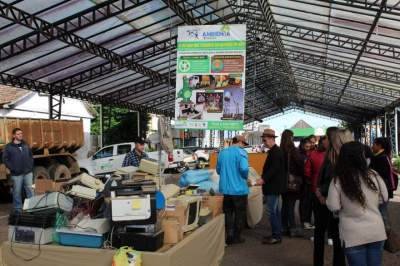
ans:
(205, 246)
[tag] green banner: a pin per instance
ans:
(194, 64)
(225, 125)
(216, 45)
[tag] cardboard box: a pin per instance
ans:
(214, 203)
(172, 230)
(46, 185)
(178, 212)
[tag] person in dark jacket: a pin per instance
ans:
(274, 183)
(294, 165)
(17, 156)
(381, 163)
(323, 217)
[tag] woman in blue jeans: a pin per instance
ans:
(355, 194)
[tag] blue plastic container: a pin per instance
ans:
(80, 239)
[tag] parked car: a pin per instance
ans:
(202, 154)
(110, 158)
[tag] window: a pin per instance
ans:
(124, 149)
(104, 153)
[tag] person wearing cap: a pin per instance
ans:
(274, 182)
(233, 169)
(134, 157)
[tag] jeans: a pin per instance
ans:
(323, 222)
(235, 210)
(20, 182)
(288, 216)
(274, 216)
(365, 255)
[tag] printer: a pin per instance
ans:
(134, 215)
(133, 202)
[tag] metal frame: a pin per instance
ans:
(299, 65)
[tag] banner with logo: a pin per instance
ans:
(210, 77)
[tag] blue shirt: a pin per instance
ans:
(133, 159)
(233, 169)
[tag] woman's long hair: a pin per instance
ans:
(287, 144)
(337, 138)
(320, 146)
(350, 169)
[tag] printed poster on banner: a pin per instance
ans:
(210, 77)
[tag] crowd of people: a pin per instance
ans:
(342, 187)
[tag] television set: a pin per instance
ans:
(186, 209)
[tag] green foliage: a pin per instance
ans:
(120, 125)
(396, 163)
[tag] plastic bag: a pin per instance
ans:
(61, 221)
(208, 185)
(194, 177)
(127, 256)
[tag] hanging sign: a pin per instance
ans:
(210, 77)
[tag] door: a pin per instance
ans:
(122, 150)
(103, 160)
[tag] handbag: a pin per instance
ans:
(295, 182)
(392, 243)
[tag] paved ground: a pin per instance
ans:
(292, 252)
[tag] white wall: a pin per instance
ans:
(36, 106)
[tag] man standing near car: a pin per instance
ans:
(274, 183)
(134, 157)
(233, 168)
(18, 158)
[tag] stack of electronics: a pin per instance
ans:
(134, 216)
(34, 228)
(85, 186)
(89, 233)
(35, 224)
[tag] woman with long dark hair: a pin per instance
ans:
(381, 162)
(294, 165)
(306, 148)
(355, 194)
(324, 219)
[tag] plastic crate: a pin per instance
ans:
(80, 239)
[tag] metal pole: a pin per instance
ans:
(101, 126)
(396, 136)
(386, 126)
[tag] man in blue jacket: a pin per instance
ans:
(17, 156)
(233, 168)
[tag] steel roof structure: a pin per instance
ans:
(337, 58)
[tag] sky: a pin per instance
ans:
(287, 120)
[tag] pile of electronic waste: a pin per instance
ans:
(131, 208)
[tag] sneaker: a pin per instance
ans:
(272, 241)
(308, 226)
(330, 242)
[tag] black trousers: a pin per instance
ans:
(306, 204)
(323, 220)
(235, 210)
(288, 216)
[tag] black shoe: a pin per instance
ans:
(239, 240)
(229, 241)
(272, 241)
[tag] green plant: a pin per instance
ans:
(396, 163)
